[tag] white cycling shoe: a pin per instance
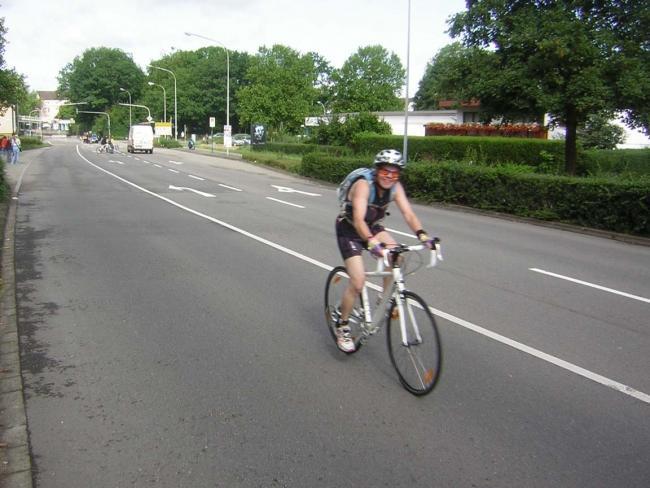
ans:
(344, 339)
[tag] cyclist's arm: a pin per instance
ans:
(404, 206)
(359, 193)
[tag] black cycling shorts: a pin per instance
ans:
(349, 241)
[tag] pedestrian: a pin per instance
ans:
(15, 149)
(5, 147)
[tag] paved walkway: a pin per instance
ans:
(15, 461)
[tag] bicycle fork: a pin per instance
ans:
(401, 303)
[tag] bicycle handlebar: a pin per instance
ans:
(436, 254)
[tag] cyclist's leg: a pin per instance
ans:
(356, 271)
(384, 237)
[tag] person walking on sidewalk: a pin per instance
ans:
(15, 149)
(5, 149)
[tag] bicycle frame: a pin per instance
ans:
(397, 286)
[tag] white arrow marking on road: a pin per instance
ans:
(615, 385)
(202, 193)
(286, 203)
(230, 187)
(284, 189)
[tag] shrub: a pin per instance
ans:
(478, 150)
(329, 168)
(626, 162)
(167, 142)
(603, 203)
(300, 148)
(342, 132)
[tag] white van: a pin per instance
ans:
(140, 139)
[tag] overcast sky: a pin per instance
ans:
(45, 35)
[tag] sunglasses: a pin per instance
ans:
(393, 174)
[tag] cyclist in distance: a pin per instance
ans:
(359, 225)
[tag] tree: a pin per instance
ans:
(569, 59)
(280, 91)
(369, 81)
(342, 131)
(12, 85)
(600, 133)
(323, 83)
(96, 77)
(447, 74)
(201, 77)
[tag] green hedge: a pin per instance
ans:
(329, 168)
(298, 148)
(618, 161)
(481, 150)
(612, 204)
(601, 203)
(167, 142)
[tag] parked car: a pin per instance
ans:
(241, 139)
(94, 138)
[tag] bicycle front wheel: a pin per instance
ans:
(337, 283)
(416, 352)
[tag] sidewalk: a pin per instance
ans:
(15, 460)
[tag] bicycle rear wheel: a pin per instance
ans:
(418, 362)
(337, 282)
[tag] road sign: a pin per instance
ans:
(227, 136)
(213, 122)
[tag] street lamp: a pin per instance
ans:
(129, 94)
(175, 105)
(40, 122)
(151, 83)
(102, 113)
(227, 84)
(139, 106)
(406, 97)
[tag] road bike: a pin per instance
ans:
(411, 331)
(106, 148)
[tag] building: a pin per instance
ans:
(7, 121)
(416, 119)
(46, 121)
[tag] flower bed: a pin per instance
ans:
(507, 130)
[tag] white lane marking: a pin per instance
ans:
(286, 203)
(592, 285)
(399, 232)
(175, 162)
(173, 170)
(157, 165)
(285, 189)
(196, 177)
(230, 187)
(137, 159)
(184, 188)
(115, 161)
(615, 385)
(146, 162)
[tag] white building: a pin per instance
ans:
(7, 121)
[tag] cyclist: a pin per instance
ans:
(359, 225)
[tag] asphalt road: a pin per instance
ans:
(171, 329)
